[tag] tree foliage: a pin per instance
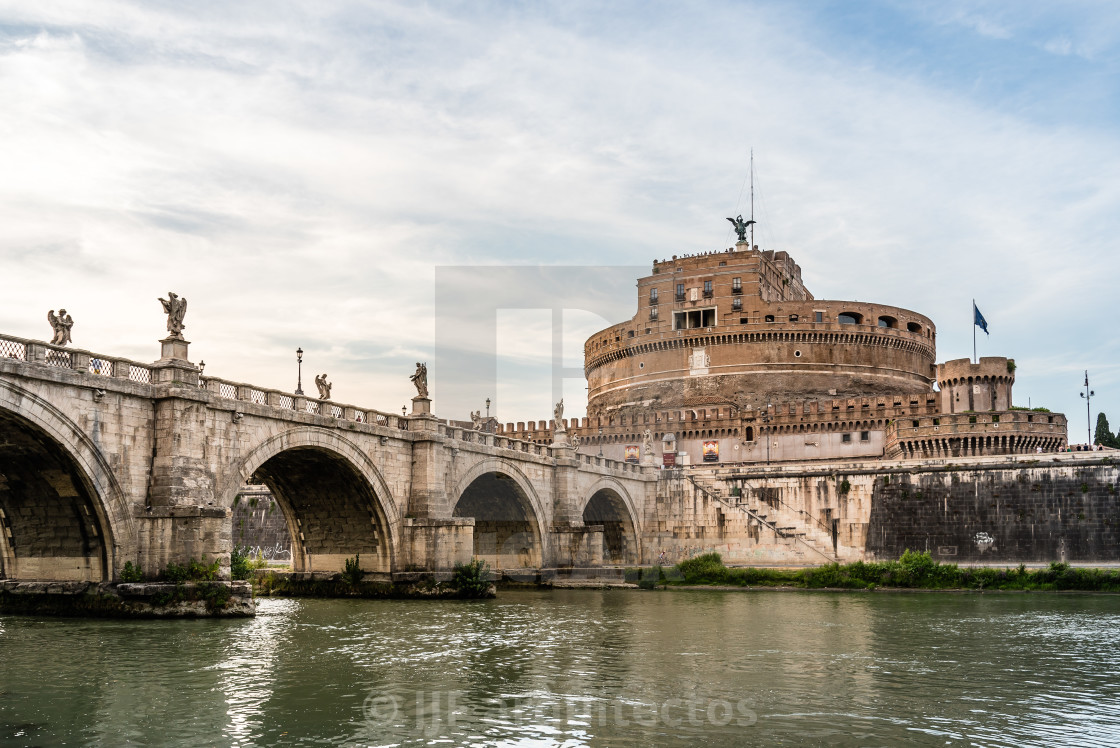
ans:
(1103, 433)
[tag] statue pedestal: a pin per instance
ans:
(173, 349)
(421, 406)
(173, 366)
(560, 439)
(742, 246)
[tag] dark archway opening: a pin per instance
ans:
(505, 528)
(333, 513)
(620, 545)
(50, 527)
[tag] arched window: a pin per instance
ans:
(850, 318)
(885, 321)
(913, 327)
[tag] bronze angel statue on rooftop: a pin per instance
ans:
(175, 308)
(740, 226)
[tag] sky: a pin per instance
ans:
(301, 172)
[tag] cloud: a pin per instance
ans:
(299, 171)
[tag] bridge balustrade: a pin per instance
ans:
(34, 351)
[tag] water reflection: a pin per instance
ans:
(577, 668)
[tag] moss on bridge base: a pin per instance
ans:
(139, 600)
(406, 586)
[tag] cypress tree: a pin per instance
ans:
(1103, 433)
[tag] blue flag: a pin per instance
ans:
(978, 319)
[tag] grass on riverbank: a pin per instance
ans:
(912, 571)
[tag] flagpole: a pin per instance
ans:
(974, 331)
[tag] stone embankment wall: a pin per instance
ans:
(259, 524)
(1003, 513)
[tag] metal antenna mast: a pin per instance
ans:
(752, 198)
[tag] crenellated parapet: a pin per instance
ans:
(968, 386)
(1004, 432)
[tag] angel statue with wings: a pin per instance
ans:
(61, 324)
(324, 387)
(740, 226)
(175, 308)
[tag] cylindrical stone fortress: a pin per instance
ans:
(739, 328)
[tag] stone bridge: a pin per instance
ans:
(105, 460)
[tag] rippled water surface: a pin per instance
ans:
(572, 668)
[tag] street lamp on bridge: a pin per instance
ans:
(299, 371)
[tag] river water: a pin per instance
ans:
(579, 667)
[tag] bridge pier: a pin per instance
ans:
(180, 520)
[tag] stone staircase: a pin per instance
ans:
(808, 541)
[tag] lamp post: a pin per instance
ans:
(404, 409)
(201, 368)
(1088, 395)
(299, 371)
(488, 429)
(600, 441)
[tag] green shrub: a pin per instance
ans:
(193, 571)
(240, 566)
(472, 579)
(131, 573)
(704, 569)
(352, 573)
(202, 571)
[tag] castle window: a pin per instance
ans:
(913, 327)
(736, 285)
(793, 318)
(849, 318)
(680, 292)
(743, 320)
(707, 289)
(694, 318)
(769, 317)
(865, 436)
(653, 296)
(736, 304)
(653, 312)
(888, 322)
(818, 316)
(846, 438)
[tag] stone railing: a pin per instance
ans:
(497, 441)
(594, 460)
(76, 359)
(301, 404)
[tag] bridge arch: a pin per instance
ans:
(609, 504)
(335, 500)
(63, 513)
(508, 514)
